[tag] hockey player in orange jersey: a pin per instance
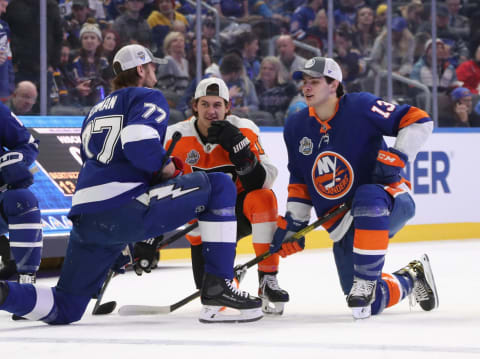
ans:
(215, 141)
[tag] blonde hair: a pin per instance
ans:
(171, 36)
(282, 76)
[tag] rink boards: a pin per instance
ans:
(444, 177)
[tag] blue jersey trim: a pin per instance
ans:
(456, 130)
(52, 121)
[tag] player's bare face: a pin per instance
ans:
(316, 91)
(150, 78)
(209, 108)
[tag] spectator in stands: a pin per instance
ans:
(192, 58)
(469, 72)
(303, 18)
(286, 54)
(364, 31)
(319, 31)
(456, 47)
(110, 46)
(161, 21)
(460, 112)
(381, 17)
(113, 9)
(23, 98)
(89, 67)
(279, 11)
(345, 12)
(111, 43)
(274, 90)
(23, 18)
(209, 32)
(403, 46)
(131, 22)
(348, 57)
(243, 96)
(413, 14)
(422, 70)
(173, 76)
(74, 22)
(458, 24)
(7, 76)
(249, 54)
(228, 8)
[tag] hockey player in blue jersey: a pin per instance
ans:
(19, 212)
(119, 200)
(337, 154)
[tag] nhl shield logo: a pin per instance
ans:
(306, 146)
(192, 158)
(332, 175)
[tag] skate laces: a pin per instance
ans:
(362, 287)
(270, 281)
(26, 278)
(420, 291)
(234, 289)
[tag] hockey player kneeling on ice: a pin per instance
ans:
(127, 192)
(20, 215)
(215, 140)
(336, 154)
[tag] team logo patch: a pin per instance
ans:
(192, 158)
(306, 146)
(332, 175)
(309, 63)
(141, 55)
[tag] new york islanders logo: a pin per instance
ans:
(332, 175)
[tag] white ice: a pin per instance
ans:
(316, 322)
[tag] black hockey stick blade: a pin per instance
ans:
(105, 308)
(110, 275)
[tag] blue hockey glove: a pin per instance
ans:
(286, 227)
(14, 170)
(388, 166)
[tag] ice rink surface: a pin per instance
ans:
(316, 322)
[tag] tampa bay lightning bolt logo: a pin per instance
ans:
(332, 175)
(192, 158)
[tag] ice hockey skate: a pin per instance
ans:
(218, 293)
(28, 278)
(273, 297)
(361, 296)
(424, 289)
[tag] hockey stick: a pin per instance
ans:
(107, 308)
(129, 310)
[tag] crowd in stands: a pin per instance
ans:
(83, 36)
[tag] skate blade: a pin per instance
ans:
(217, 314)
(361, 312)
(272, 308)
(429, 277)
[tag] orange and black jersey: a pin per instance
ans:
(200, 156)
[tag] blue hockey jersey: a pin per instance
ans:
(15, 137)
(122, 146)
(328, 160)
